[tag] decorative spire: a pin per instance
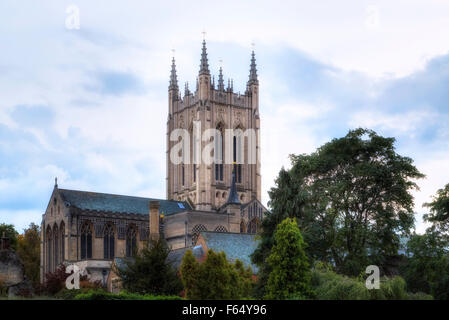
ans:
(253, 70)
(173, 78)
(220, 80)
(204, 66)
(233, 195)
(56, 182)
(186, 89)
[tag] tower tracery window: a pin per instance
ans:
(237, 155)
(218, 153)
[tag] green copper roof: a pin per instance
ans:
(119, 204)
(234, 245)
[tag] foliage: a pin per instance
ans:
(28, 249)
(150, 271)
(11, 233)
(215, 278)
(427, 268)
(54, 281)
(351, 199)
(290, 273)
(103, 295)
(328, 285)
(439, 211)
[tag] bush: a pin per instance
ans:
(328, 285)
(54, 281)
(215, 278)
(103, 295)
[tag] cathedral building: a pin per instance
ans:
(215, 204)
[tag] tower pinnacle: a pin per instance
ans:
(204, 66)
(253, 70)
(173, 78)
(220, 80)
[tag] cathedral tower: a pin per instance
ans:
(236, 141)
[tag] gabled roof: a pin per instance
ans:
(251, 201)
(234, 245)
(94, 201)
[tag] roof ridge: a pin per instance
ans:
(120, 195)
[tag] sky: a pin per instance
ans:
(83, 86)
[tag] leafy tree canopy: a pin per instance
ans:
(352, 200)
(10, 232)
(439, 211)
(28, 249)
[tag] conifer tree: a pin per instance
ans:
(290, 273)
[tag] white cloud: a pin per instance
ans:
(400, 123)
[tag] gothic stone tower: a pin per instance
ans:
(207, 186)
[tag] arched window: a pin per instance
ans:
(55, 246)
(131, 242)
(62, 240)
(108, 242)
(221, 229)
(49, 249)
(86, 241)
(194, 148)
(242, 227)
(196, 232)
(237, 154)
(253, 226)
(218, 153)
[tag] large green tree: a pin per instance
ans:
(28, 249)
(352, 200)
(10, 232)
(150, 271)
(290, 272)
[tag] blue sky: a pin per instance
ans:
(89, 105)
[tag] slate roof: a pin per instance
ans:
(234, 245)
(175, 256)
(119, 204)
